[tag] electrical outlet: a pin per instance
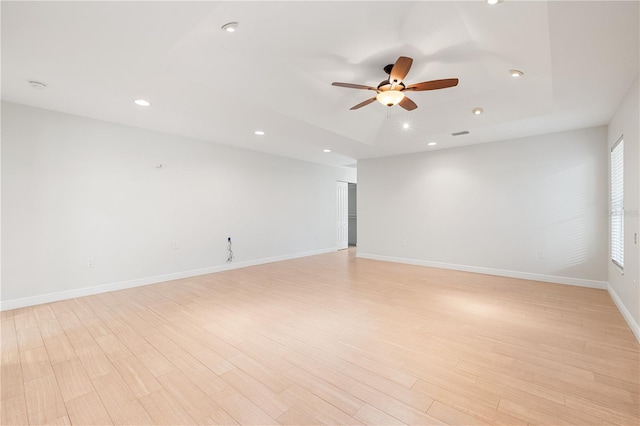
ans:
(540, 255)
(90, 262)
(175, 245)
(404, 243)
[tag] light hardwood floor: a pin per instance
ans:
(328, 339)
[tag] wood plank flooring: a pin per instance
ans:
(328, 339)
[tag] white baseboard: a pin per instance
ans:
(490, 271)
(6, 305)
(635, 328)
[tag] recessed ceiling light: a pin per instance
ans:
(516, 73)
(326, 150)
(259, 132)
(405, 126)
(432, 143)
(492, 2)
(142, 102)
(37, 84)
(230, 27)
(477, 110)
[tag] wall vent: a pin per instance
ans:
(464, 132)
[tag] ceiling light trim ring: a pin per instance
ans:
(230, 27)
(38, 85)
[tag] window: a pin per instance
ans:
(617, 203)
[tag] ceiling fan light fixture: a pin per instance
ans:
(390, 92)
(390, 97)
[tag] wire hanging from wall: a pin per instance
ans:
(230, 250)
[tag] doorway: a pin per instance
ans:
(353, 215)
(342, 215)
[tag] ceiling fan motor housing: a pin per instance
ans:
(386, 85)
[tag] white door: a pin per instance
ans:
(342, 202)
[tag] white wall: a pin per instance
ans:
(76, 188)
(624, 288)
(493, 208)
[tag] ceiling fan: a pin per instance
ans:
(391, 91)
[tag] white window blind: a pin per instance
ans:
(617, 203)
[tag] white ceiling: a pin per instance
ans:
(275, 72)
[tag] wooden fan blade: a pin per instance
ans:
(433, 84)
(400, 69)
(408, 104)
(361, 104)
(353, 86)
